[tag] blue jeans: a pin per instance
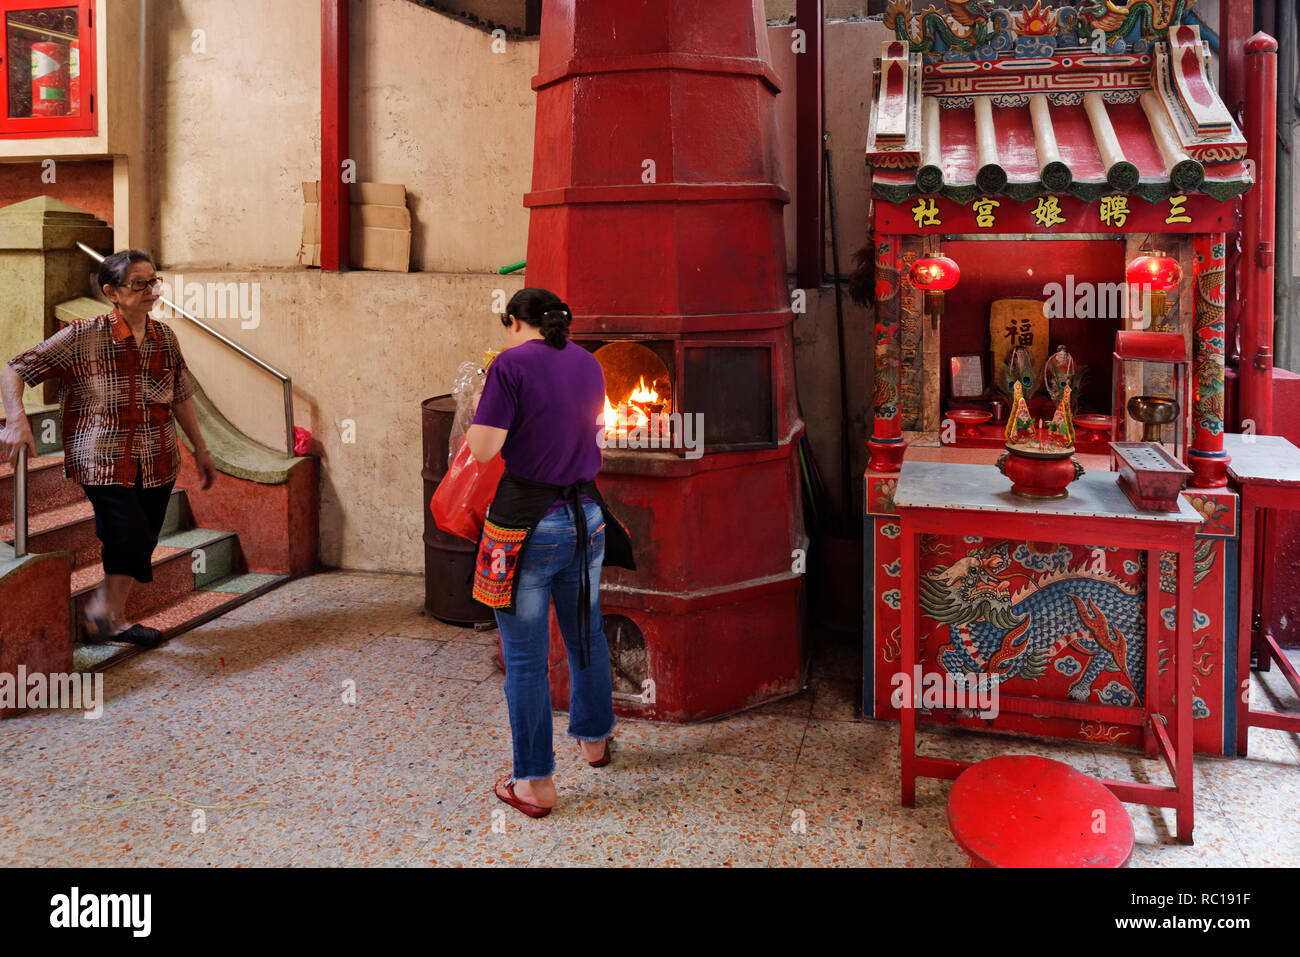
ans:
(550, 569)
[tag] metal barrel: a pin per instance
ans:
(448, 559)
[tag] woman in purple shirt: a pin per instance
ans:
(545, 537)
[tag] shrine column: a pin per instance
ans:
(1205, 455)
(886, 442)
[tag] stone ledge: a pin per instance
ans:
(83, 307)
(233, 452)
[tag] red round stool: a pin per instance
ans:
(1023, 811)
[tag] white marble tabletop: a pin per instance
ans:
(1262, 458)
(982, 488)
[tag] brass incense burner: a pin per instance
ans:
(1154, 412)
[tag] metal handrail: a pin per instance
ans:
(20, 504)
(285, 381)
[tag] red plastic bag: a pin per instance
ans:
(461, 502)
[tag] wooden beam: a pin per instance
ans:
(810, 250)
(1120, 173)
(991, 176)
(929, 174)
(1053, 172)
(334, 221)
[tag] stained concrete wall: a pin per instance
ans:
(237, 130)
(363, 349)
(235, 90)
(435, 108)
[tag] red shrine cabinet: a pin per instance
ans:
(1070, 181)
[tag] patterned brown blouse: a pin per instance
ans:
(115, 398)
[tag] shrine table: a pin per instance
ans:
(934, 498)
(1266, 469)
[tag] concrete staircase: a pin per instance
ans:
(199, 573)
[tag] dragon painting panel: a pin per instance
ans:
(1053, 621)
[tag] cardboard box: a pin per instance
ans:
(309, 249)
(380, 227)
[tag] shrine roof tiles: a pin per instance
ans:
(1148, 124)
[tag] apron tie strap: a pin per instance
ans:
(572, 494)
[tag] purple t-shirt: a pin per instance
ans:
(549, 399)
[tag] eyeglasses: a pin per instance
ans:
(140, 285)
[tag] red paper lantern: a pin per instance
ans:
(1160, 273)
(936, 274)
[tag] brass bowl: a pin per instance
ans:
(1152, 411)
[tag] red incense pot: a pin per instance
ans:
(1039, 472)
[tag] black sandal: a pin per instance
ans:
(139, 635)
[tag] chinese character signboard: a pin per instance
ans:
(1017, 322)
(1193, 213)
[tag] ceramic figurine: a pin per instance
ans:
(1060, 431)
(1020, 424)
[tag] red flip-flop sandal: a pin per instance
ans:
(516, 802)
(605, 758)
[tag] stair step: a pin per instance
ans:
(40, 462)
(47, 487)
(194, 609)
(71, 528)
(56, 517)
(182, 563)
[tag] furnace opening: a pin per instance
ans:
(637, 389)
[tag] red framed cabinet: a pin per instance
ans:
(48, 68)
(48, 115)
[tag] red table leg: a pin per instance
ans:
(1151, 691)
(1245, 614)
(1183, 705)
(911, 646)
(1264, 597)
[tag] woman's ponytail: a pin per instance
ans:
(555, 325)
(543, 310)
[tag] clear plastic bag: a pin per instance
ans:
(465, 388)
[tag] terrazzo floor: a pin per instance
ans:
(232, 745)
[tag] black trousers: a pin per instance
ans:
(127, 522)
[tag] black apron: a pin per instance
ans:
(519, 505)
